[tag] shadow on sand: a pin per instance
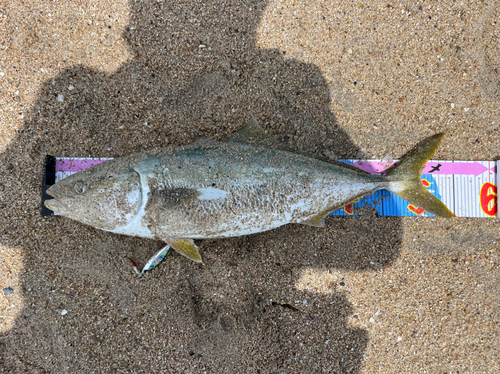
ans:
(242, 311)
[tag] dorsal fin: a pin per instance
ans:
(252, 133)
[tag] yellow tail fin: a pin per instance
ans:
(406, 178)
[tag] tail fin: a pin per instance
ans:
(406, 176)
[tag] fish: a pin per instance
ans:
(247, 184)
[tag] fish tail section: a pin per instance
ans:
(405, 178)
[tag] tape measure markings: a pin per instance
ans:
(468, 188)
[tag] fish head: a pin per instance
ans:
(106, 196)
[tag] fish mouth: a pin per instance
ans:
(55, 205)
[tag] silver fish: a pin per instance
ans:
(245, 185)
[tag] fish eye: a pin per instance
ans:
(79, 187)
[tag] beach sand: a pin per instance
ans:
(338, 79)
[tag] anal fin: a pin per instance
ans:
(185, 247)
(317, 221)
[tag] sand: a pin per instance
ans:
(338, 79)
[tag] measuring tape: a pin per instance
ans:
(467, 188)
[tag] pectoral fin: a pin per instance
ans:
(185, 247)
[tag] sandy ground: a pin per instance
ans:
(344, 79)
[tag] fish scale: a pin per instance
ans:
(318, 185)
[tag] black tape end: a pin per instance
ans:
(49, 178)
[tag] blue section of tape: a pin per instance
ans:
(389, 204)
